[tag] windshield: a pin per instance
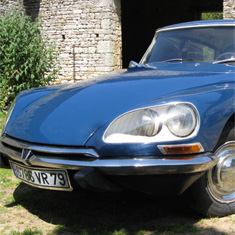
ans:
(205, 44)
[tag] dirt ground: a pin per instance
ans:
(86, 213)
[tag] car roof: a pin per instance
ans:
(201, 23)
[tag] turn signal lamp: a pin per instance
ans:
(181, 149)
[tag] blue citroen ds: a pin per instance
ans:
(163, 126)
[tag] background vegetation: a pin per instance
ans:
(212, 15)
(26, 59)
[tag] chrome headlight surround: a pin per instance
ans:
(161, 123)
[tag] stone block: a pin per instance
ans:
(105, 46)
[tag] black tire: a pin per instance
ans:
(214, 193)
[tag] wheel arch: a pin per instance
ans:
(227, 128)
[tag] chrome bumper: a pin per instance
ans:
(77, 158)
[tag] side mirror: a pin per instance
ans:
(134, 64)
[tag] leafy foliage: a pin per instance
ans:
(26, 59)
(2, 120)
(212, 15)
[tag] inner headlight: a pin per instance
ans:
(181, 120)
(161, 123)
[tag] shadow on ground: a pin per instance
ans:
(84, 212)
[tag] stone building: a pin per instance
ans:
(99, 36)
(229, 9)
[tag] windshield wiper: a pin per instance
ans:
(230, 60)
(181, 60)
(174, 60)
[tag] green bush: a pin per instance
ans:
(26, 59)
(212, 15)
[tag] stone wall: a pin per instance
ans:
(7, 4)
(229, 9)
(87, 34)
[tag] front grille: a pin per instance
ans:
(24, 151)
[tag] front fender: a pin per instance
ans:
(215, 105)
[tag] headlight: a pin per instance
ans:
(181, 120)
(143, 122)
(154, 124)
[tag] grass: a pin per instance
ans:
(86, 213)
(28, 231)
(6, 179)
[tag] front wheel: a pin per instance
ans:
(214, 193)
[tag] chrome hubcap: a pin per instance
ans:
(221, 178)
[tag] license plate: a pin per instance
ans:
(43, 178)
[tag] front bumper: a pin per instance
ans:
(71, 158)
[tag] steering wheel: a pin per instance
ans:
(226, 55)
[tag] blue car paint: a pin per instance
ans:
(213, 118)
(78, 114)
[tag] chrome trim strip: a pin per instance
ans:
(121, 166)
(50, 149)
(136, 166)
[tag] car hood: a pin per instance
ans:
(70, 114)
